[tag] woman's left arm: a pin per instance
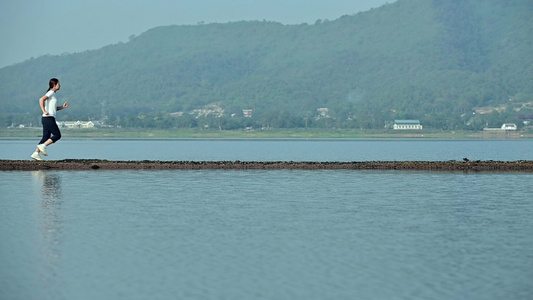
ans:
(65, 105)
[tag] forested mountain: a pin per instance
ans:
(426, 59)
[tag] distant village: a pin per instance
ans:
(322, 112)
(68, 124)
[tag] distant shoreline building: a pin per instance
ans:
(505, 127)
(75, 124)
(407, 125)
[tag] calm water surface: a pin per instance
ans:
(283, 234)
(274, 149)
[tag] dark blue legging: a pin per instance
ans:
(50, 130)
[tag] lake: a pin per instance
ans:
(274, 149)
(283, 234)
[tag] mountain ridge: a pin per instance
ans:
(421, 59)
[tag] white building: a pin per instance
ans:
(407, 125)
(509, 126)
(75, 124)
(247, 113)
(505, 127)
(322, 112)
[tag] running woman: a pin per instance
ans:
(51, 133)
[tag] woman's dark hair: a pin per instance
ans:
(52, 83)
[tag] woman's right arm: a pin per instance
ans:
(41, 103)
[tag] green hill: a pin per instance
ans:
(430, 60)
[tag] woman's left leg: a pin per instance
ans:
(50, 128)
(56, 133)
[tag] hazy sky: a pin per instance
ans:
(31, 28)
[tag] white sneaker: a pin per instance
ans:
(42, 148)
(36, 156)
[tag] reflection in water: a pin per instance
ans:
(50, 221)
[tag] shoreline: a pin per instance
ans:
(98, 164)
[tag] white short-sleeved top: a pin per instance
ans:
(50, 104)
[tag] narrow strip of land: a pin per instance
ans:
(96, 164)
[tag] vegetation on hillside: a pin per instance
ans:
(431, 60)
